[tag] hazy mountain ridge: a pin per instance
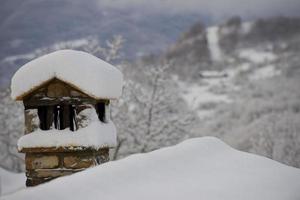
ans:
(39, 23)
(29, 25)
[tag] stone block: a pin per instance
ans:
(48, 173)
(78, 162)
(36, 181)
(41, 162)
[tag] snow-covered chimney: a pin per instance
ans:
(66, 96)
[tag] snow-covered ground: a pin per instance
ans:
(200, 168)
(267, 71)
(246, 27)
(199, 94)
(207, 90)
(11, 182)
(196, 95)
(257, 63)
(257, 56)
(213, 43)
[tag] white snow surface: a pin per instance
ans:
(213, 43)
(11, 182)
(211, 73)
(200, 168)
(257, 56)
(265, 72)
(196, 95)
(246, 27)
(95, 135)
(90, 74)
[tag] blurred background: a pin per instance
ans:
(229, 69)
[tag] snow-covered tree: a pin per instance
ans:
(277, 137)
(151, 114)
(11, 126)
(109, 52)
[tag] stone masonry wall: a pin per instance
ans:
(43, 167)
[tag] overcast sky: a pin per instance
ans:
(215, 9)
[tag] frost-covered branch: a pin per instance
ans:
(11, 117)
(153, 116)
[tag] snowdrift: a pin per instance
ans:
(11, 182)
(201, 168)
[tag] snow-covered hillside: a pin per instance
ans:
(240, 78)
(216, 84)
(200, 168)
(213, 43)
(25, 28)
(11, 182)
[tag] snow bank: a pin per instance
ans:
(95, 135)
(265, 72)
(257, 57)
(196, 95)
(86, 72)
(213, 43)
(201, 168)
(11, 182)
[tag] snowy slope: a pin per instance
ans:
(217, 85)
(198, 95)
(11, 182)
(213, 43)
(201, 168)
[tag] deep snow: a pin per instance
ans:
(11, 182)
(88, 73)
(200, 168)
(94, 134)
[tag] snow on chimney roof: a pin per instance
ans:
(84, 71)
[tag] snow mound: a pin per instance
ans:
(200, 168)
(95, 135)
(267, 71)
(256, 56)
(11, 182)
(88, 73)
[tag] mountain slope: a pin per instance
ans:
(249, 95)
(235, 41)
(33, 24)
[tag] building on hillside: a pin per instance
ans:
(66, 96)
